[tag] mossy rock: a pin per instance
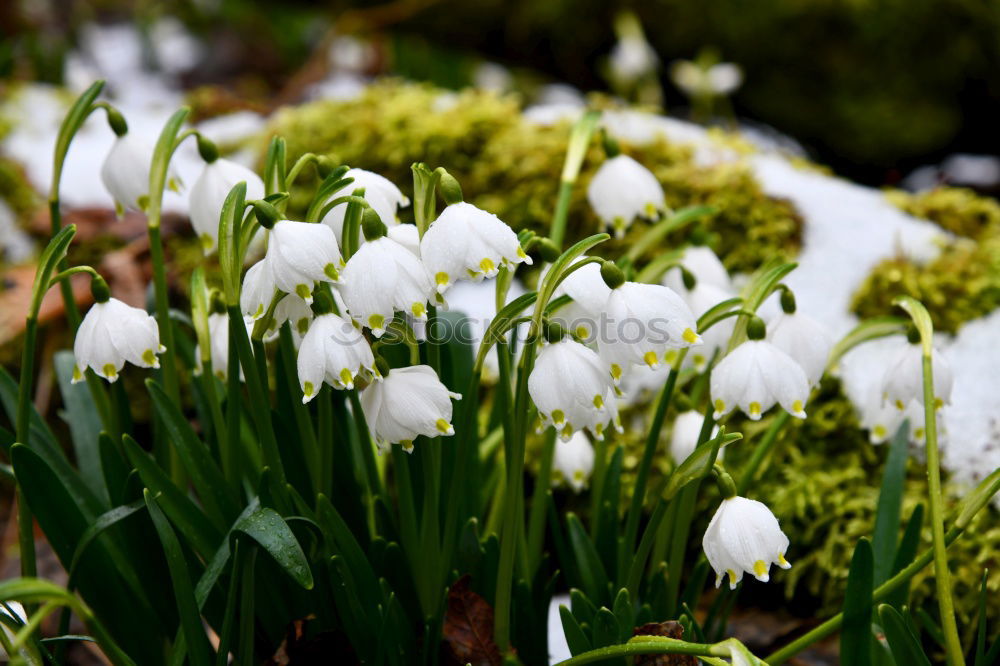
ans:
(511, 167)
(963, 283)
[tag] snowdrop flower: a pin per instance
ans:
(296, 312)
(300, 254)
(589, 293)
(804, 339)
(632, 58)
(125, 172)
(209, 192)
(258, 290)
(382, 277)
(904, 378)
(695, 79)
(406, 235)
(571, 387)
(380, 193)
(335, 352)
(466, 242)
(573, 461)
(744, 536)
(622, 190)
(756, 375)
(407, 403)
(648, 320)
(684, 438)
(113, 333)
(701, 262)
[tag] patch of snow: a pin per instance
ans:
(15, 245)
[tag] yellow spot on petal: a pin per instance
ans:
(143, 201)
(148, 357)
(598, 402)
(616, 371)
(407, 445)
(579, 476)
(110, 372)
(899, 405)
(331, 272)
(304, 292)
(732, 577)
(259, 312)
(782, 562)
(650, 209)
(173, 185)
(599, 432)
(720, 406)
(650, 359)
(119, 209)
(376, 322)
(567, 430)
(443, 427)
(938, 403)
(754, 409)
(558, 417)
(472, 274)
(797, 407)
(302, 325)
(759, 568)
(418, 310)
(520, 253)
(206, 242)
(487, 266)
(670, 356)
(442, 279)
(346, 378)
(308, 389)
(77, 375)
(582, 332)
(879, 431)
(689, 336)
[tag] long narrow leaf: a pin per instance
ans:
(856, 634)
(904, 645)
(890, 499)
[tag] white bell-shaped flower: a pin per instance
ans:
(407, 403)
(467, 242)
(572, 389)
(632, 58)
(113, 333)
(804, 339)
(258, 289)
(380, 193)
(125, 172)
(756, 375)
(704, 265)
(622, 190)
(589, 293)
(684, 438)
(904, 378)
(878, 417)
(209, 192)
(382, 277)
(335, 352)
(744, 537)
(293, 310)
(573, 461)
(301, 254)
(646, 321)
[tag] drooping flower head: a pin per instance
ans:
(258, 290)
(622, 190)
(573, 461)
(684, 438)
(301, 254)
(800, 336)
(382, 277)
(756, 375)
(702, 297)
(407, 403)
(744, 537)
(465, 242)
(380, 193)
(904, 378)
(335, 352)
(112, 333)
(702, 263)
(125, 172)
(646, 321)
(572, 389)
(209, 192)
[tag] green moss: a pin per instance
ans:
(16, 190)
(512, 168)
(957, 209)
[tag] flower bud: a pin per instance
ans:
(547, 250)
(787, 301)
(207, 149)
(117, 121)
(451, 191)
(756, 330)
(613, 276)
(99, 289)
(371, 225)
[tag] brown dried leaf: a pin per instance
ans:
(669, 629)
(468, 627)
